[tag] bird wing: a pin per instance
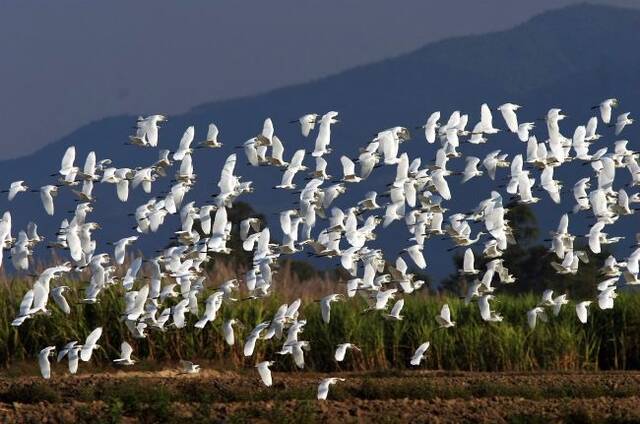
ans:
(277, 149)
(25, 304)
(59, 299)
(43, 363)
(93, 337)
(212, 134)
(325, 309)
(186, 165)
(468, 260)
(323, 139)
(401, 265)
(74, 244)
(287, 177)
(470, 167)
(397, 308)
(47, 201)
(485, 117)
(430, 127)
(321, 165)
(390, 149)
(306, 126)
(267, 130)
(67, 160)
(135, 267)
(285, 222)
(220, 221)
(251, 153)
(421, 350)
(531, 318)
(138, 306)
(516, 165)
(485, 309)
(250, 345)
(227, 179)
(263, 242)
(594, 237)
(298, 157)
(125, 350)
(205, 220)
(119, 252)
(340, 352)
(510, 118)
(185, 142)
(265, 375)
(323, 390)
(40, 296)
(605, 112)
(445, 313)
(417, 257)
(441, 185)
(563, 225)
(229, 337)
(89, 167)
(402, 169)
(348, 167)
(122, 189)
(581, 312)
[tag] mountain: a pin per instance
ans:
(570, 58)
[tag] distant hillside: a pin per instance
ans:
(570, 58)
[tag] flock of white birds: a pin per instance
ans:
(174, 283)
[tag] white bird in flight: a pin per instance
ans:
(125, 355)
(323, 387)
(419, 354)
(90, 344)
(43, 361)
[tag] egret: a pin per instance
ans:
(605, 109)
(395, 311)
(212, 137)
(307, 123)
(582, 310)
(265, 372)
(43, 361)
(147, 131)
(227, 329)
(15, 188)
(325, 306)
(622, 121)
(323, 387)
(468, 263)
(47, 193)
(125, 355)
(508, 111)
(188, 367)
(533, 315)
(58, 297)
(419, 354)
(444, 318)
(90, 344)
(341, 350)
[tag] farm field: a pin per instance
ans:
(402, 396)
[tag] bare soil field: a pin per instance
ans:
(402, 396)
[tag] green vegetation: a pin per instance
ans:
(610, 340)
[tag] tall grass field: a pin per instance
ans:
(610, 339)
